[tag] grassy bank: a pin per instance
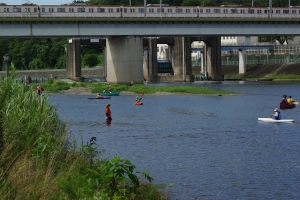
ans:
(276, 77)
(56, 86)
(37, 161)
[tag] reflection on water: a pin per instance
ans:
(210, 147)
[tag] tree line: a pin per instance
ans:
(43, 53)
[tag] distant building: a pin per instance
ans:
(197, 46)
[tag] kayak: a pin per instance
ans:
(287, 106)
(138, 103)
(274, 120)
(110, 94)
(90, 98)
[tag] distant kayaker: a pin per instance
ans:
(290, 100)
(104, 91)
(284, 99)
(137, 99)
(107, 112)
(109, 87)
(98, 95)
(277, 114)
(40, 89)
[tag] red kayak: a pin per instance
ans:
(287, 106)
(138, 103)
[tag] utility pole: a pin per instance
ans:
(7, 60)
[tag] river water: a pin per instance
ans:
(209, 147)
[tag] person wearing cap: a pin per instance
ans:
(277, 114)
(290, 100)
(284, 99)
(137, 99)
(107, 112)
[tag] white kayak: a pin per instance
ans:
(274, 120)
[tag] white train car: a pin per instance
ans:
(85, 10)
(24, 10)
(79, 11)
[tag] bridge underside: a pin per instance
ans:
(134, 59)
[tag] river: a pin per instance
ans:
(209, 147)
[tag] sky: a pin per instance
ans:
(38, 2)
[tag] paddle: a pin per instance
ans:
(142, 96)
(296, 102)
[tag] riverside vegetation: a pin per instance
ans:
(57, 86)
(39, 162)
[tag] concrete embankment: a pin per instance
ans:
(264, 70)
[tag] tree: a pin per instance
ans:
(90, 60)
(280, 39)
(190, 3)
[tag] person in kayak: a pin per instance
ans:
(98, 95)
(290, 100)
(284, 99)
(137, 99)
(277, 114)
(107, 112)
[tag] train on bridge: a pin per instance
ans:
(85, 10)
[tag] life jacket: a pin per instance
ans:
(283, 100)
(107, 112)
(278, 115)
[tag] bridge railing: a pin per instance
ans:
(263, 59)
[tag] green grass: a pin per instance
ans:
(285, 77)
(272, 76)
(56, 86)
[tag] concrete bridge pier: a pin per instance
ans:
(212, 58)
(242, 61)
(150, 67)
(182, 60)
(73, 63)
(124, 59)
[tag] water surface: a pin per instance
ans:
(210, 147)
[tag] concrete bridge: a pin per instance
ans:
(130, 49)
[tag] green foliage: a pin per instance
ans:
(114, 174)
(139, 89)
(54, 86)
(90, 60)
(190, 3)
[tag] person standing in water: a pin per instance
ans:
(108, 112)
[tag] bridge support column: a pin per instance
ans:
(242, 61)
(212, 58)
(150, 67)
(73, 68)
(124, 60)
(201, 56)
(182, 60)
